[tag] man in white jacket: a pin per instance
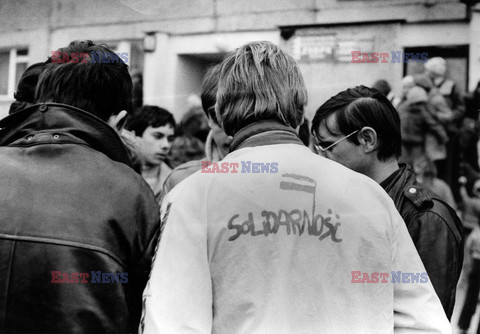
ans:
(274, 239)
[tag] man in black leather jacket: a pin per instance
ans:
(360, 129)
(78, 226)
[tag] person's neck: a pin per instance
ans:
(150, 170)
(381, 170)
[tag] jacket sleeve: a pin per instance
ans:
(144, 243)
(178, 296)
(417, 308)
(429, 232)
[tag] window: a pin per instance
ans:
(13, 63)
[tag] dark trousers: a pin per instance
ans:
(471, 298)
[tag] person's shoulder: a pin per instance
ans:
(182, 172)
(429, 208)
(126, 183)
(418, 196)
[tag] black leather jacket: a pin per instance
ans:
(70, 203)
(435, 228)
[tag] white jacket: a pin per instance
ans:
(233, 257)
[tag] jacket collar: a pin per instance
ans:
(73, 124)
(265, 132)
(400, 179)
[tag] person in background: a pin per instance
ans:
(471, 203)
(407, 83)
(436, 70)
(79, 227)
(416, 122)
(426, 174)
(217, 144)
(384, 87)
(436, 150)
(154, 129)
(273, 241)
(187, 145)
(469, 135)
(25, 93)
(360, 129)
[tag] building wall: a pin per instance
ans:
(209, 28)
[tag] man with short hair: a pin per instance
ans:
(78, 226)
(360, 129)
(154, 129)
(276, 239)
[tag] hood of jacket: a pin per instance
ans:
(69, 124)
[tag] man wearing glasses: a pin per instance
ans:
(360, 129)
(281, 252)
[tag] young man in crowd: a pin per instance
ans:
(217, 144)
(78, 226)
(154, 129)
(276, 242)
(360, 129)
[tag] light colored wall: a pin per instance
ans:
(326, 78)
(474, 68)
(218, 26)
(166, 80)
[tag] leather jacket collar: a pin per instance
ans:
(266, 132)
(401, 178)
(65, 123)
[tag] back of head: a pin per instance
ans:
(423, 81)
(417, 94)
(149, 116)
(437, 66)
(92, 78)
(382, 86)
(258, 82)
(361, 106)
(209, 92)
(25, 93)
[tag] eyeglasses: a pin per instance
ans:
(320, 149)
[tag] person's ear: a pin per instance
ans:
(117, 122)
(368, 139)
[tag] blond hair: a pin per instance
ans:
(259, 81)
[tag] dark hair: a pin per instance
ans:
(304, 132)
(362, 106)
(382, 86)
(149, 116)
(209, 92)
(259, 81)
(102, 88)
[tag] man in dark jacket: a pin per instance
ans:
(360, 129)
(78, 226)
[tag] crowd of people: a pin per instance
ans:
(244, 217)
(440, 136)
